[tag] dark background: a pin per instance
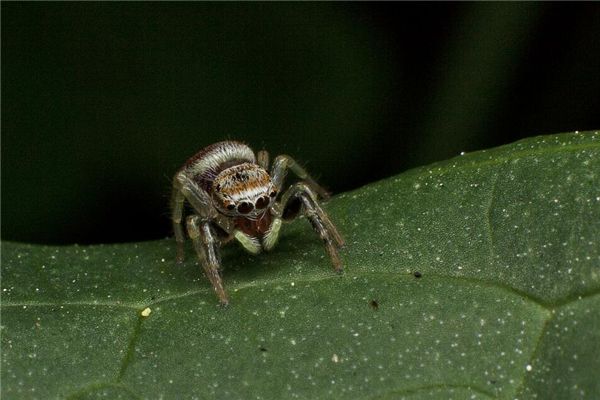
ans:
(102, 102)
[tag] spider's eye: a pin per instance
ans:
(273, 193)
(262, 202)
(230, 206)
(245, 207)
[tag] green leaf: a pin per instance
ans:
(477, 277)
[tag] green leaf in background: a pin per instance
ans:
(477, 277)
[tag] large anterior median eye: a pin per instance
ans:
(245, 207)
(262, 202)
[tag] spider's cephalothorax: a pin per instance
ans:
(234, 197)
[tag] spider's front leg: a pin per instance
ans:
(300, 198)
(207, 247)
(185, 188)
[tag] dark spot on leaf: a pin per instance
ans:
(417, 274)
(374, 304)
(263, 348)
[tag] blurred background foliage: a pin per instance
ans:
(102, 102)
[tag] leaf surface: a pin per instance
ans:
(476, 277)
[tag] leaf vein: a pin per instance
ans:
(534, 353)
(130, 351)
(254, 284)
(25, 304)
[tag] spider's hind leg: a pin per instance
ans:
(300, 198)
(262, 158)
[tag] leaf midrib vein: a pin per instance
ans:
(558, 303)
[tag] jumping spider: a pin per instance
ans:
(234, 197)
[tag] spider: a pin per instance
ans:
(234, 197)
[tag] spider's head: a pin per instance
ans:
(244, 190)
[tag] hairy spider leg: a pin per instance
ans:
(186, 189)
(279, 171)
(318, 219)
(262, 158)
(208, 251)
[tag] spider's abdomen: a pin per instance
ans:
(210, 161)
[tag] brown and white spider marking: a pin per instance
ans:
(234, 197)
